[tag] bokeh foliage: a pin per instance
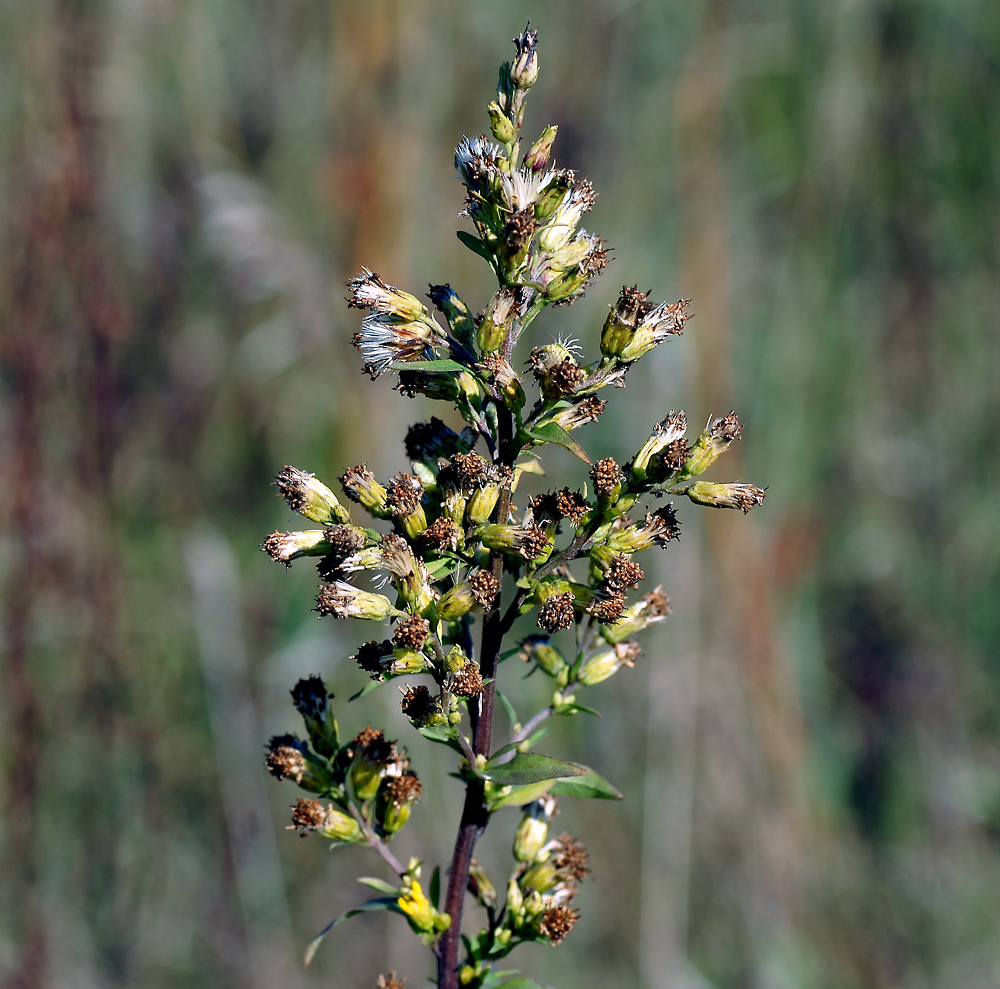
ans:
(809, 754)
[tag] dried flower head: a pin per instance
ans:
(467, 682)
(623, 573)
(557, 922)
(411, 633)
(607, 478)
(557, 613)
(310, 697)
(370, 656)
(485, 587)
(285, 759)
(419, 706)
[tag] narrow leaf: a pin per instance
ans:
(508, 708)
(552, 432)
(537, 736)
(366, 689)
(379, 884)
(442, 365)
(382, 903)
(434, 891)
(522, 795)
(531, 767)
(588, 785)
(473, 243)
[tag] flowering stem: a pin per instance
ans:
(374, 841)
(475, 813)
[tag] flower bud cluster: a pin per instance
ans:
(369, 781)
(544, 884)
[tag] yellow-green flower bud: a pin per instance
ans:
(309, 497)
(359, 485)
(605, 664)
(666, 432)
(396, 799)
(497, 321)
(713, 442)
(529, 542)
(344, 600)
(455, 602)
(406, 661)
(524, 68)
(547, 658)
(667, 319)
(649, 610)
(529, 838)
(731, 495)
(503, 130)
(373, 752)
(460, 320)
(311, 815)
(537, 156)
(533, 831)
(283, 547)
(483, 889)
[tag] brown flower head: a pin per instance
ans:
(411, 633)
(404, 494)
(556, 613)
(284, 758)
(418, 705)
(441, 534)
(308, 816)
(484, 587)
(622, 573)
(571, 858)
(607, 607)
(405, 788)
(467, 682)
(557, 922)
(607, 478)
(370, 655)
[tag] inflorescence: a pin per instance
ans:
(438, 539)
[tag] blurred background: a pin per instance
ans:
(809, 748)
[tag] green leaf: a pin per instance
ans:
(531, 767)
(474, 244)
(366, 689)
(520, 983)
(522, 795)
(443, 736)
(588, 785)
(431, 366)
(442, 567)
(508, 708)
(378, 884)
(382, 903)
(552, 432)
(434, 891)
(537, 736)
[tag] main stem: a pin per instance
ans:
(475, 813)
